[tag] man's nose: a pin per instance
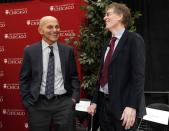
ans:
(104, 18)
(54, 29)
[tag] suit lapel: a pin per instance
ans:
(38, 52)
(62, 59)
(120, 45)
(116, 51)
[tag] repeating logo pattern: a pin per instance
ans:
(11, 86)
(13, 112)
(15, 36)
(2, 24)
(19, 21)
(67, 33)
(62, 7)
(12, 60)
(32, 22)
(16, 11)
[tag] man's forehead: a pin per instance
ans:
(47, 19)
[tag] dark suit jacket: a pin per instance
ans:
(31, 72)
(126, 75)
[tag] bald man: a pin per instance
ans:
(49, 82)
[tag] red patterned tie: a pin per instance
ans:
(104, 72)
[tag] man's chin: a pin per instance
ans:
(54, 39)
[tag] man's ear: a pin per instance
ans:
(120, 16)
(40, 31)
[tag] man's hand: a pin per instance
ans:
(128, 117)
(92, 109)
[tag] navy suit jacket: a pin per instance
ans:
(126, 75)
(32, 69)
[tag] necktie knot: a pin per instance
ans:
(51, 50)
(51, 47)
(114, 38)
(112, 41)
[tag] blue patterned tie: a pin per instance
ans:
(49, 92)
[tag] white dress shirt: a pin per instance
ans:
(59, 83)
(118, 35)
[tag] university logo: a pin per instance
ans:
(26, 125)
(1, 73)
(2, 49)
(16, 11)
(11, 86)
(32, 22)
(15, 36)
(67, 33)
(1, 99)
(13, 112)
(12, 60)
(62, 7)
(2, 24)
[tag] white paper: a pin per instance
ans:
(158, 116)
(82, 106)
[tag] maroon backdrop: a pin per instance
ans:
(18, 28)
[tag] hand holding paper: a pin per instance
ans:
(82, 106)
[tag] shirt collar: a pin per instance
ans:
(45, 45)
(119, 34)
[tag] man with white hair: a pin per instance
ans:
(49, 82)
